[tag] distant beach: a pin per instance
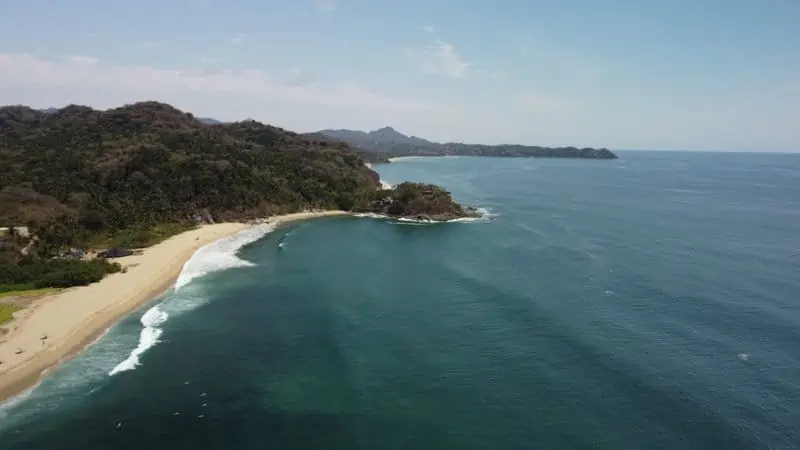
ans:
(384, 185)
(54, 328)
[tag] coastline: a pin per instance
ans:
(75, 318)
(384, 185)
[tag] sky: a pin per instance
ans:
(622, 74)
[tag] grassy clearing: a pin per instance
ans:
(7, 312)
(28, 292)
(138, 238)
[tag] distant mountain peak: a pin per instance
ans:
(386, 128)
(385, 135)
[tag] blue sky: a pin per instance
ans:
(643, 74)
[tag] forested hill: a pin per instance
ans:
(149, 163)
(76, 179)
(387, 143)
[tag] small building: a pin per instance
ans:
(22, 231)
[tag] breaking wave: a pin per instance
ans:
(214, 257)
(147, 339)
(220, 255)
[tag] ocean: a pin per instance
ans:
(650, 302)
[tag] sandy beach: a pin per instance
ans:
(384, 185)
(54, 328)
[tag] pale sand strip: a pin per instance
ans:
(75, 317)
(384, 185)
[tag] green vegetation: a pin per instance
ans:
(36, 273)
(135, 175)
(420, 201)
(29, 292)
(7, 312)
(132, 176)
(87, 172)
(138, 237)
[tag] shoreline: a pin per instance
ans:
(384, 185)
(77, 317)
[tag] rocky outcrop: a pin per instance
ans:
(419, 201)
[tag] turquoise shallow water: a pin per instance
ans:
(648, 302)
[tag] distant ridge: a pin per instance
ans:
(385, 135)
(205, 120)
(387, 142)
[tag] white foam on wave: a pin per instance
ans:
(411, 224)
(412, 158)
(49, 392)
(214, 257)
(370, 216)
(485, 215)
(147, 339)
(282, 240)
(7, 407)
(220, 255)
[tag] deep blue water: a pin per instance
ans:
(651, 302)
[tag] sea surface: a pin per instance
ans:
(651, 302)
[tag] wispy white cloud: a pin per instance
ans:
(207, 60)
(440, 58)
(81, 59)
(238, 39)
(150, 44)
(82, 73)
(300, 77)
